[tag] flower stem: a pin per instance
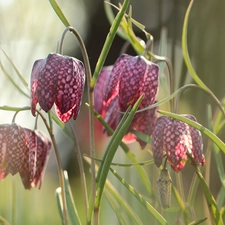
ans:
(91, 103)
(59, 164)
(81, 167)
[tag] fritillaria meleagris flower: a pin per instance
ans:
(178, 140)
(120, 86)
(24, 151)
(58, 79)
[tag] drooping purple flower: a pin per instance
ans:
(24, 151)
(58, 79)
(129, 78)
(178, 140)
(36, 157)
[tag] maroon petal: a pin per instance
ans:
(36, 158)
(71, 79)
(34, 83)
(145, 123)
(130, 81)
(99, 88)
(114, 77)
(13, 144)
(112, 116)
(46, 72)
(176, 138)
(157, 139)
(196, 149)
(150, 83)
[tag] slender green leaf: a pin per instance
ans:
(217, 156)
(210, 200)
(141, 199)
(131, 156)
(74, 217)
(142, 136)
(144, 163)
(114, 194)
(112, 147)
(17, 71)
(58, 194)
(198, 221)
(59, 12)
(193, 190)
(13, 82)
(199, 127)
(181, 204)
(221, 197)
(185, 49)
(4, 221)
(108, 41)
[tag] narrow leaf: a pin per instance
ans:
(112, 147)
(130, 155)
(141, 199)
(59, 12)
(74, 217)
(198, 221)
(17, 71)
(13, 82)
(210, 200)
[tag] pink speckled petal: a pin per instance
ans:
(71, 81)
(99, 88)
(150, 83)
(130, 82)
(111, 85)
(157, 139)
(37, 155)
(176, 138)
(196, 149)
(46, 89)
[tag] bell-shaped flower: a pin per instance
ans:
(122, 85)
(24, 151)
(178, 140)
(58, 79)
(36, 157)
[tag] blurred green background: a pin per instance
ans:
(29, 30)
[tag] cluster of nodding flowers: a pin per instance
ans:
(60, 79)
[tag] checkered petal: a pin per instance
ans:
(157, 139)
(111, 87)
(176, 138)
(58, 79)
(139, 76)
(145, 122)
(13, 144)
(32, 171)
(196, 149)
(99, 89)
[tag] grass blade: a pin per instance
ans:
(59, 12)
(210, 200)
(130, 155)
(13, 82)
(75, 220)
(111, 149)
(17, 71)
(140, 198)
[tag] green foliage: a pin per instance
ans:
(106, 185)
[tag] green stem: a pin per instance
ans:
(81, 167)
(91, 103)
(59, 164)
(108, 41)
